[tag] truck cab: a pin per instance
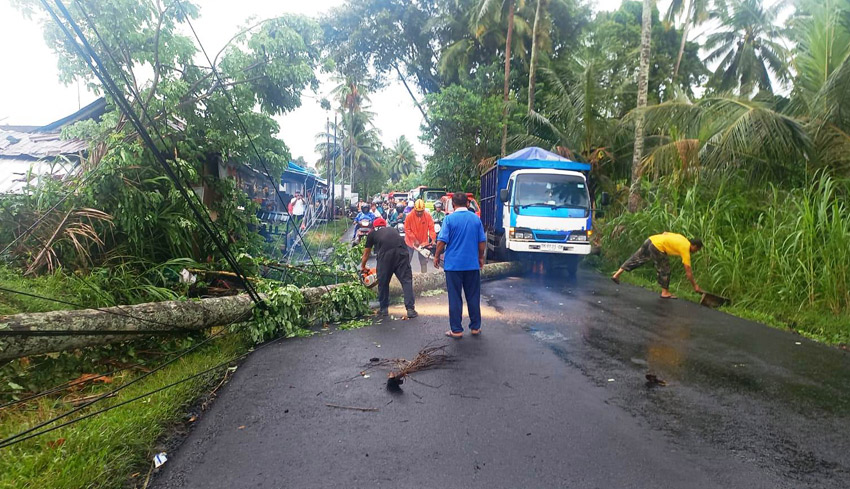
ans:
(536, 205)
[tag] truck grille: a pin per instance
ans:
(550, 237)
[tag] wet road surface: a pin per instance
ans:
(553, 394)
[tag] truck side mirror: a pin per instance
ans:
(503, 195)
(606, 199)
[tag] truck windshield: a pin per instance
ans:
(433, 195)
(551, 190)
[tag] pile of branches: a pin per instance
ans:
(427, 358)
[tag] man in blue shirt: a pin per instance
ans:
(463, 240)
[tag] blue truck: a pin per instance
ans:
(536, 205)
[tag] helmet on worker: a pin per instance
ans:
(365, 208)
(419, 206)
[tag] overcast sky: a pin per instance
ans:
(30, 93)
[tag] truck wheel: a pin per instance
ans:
(502, 252)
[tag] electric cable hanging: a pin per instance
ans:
(242, 125)
(28, 434)
(12, 439)
(96, 65)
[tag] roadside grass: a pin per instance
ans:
(104, 450)
(782, 256)
(326, 235)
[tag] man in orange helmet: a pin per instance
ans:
(419, 232)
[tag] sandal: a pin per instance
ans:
(475, 332)
(456, 336)
(671, 296)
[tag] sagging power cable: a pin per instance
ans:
(243, 127)
(28, 434)
(94, 62)
(23, 434)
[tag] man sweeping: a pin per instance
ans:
(392, 260)
(658, 248)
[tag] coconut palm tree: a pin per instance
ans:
(402, 159)
(487, 8)
(823, 42)
(692, 14)
(643, 79)
(748, 48)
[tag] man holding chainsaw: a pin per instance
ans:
(419, 233)
(392, 260)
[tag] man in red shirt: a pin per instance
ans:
(419, 232)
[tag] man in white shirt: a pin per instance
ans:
(299, 207)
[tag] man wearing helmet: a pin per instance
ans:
(419, 232)
(392, 260)
(438, 214)
(365, 213)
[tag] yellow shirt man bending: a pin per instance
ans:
(657, 248)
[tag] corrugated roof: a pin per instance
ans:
(16, 173)
(38, 145)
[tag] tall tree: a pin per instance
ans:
(401, 159)
(535, 42)
(643, 77)
(485, 6)
(693, 13)
(748, 48)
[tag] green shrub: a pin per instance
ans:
(775, 251)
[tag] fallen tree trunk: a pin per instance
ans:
(38, 333)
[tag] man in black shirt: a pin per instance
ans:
(393, 259)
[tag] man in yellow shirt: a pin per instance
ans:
(657, 248)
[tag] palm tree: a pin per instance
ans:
(823, 42)
(748, 47)
(692, 13)
(485, 7)
(532, 68)
(402, 159)
(643, 78)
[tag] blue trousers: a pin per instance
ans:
(469, 282)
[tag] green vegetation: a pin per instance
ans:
(104, 450)
(781, 255)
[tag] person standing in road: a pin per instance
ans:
(463, 241)
(419, 232)
(392, 260)
(657, 248)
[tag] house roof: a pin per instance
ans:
(37, 145)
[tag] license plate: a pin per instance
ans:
(555, 247)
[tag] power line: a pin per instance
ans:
(96, 65)
(241, 123)
(32, 433)
(17, 437)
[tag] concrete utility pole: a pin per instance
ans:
(328, 200)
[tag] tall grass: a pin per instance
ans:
(775, 251)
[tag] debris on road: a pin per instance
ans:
(352, 408)
(428, 357)
(653, 380)
(159, 459)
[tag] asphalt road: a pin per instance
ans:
(553, 394)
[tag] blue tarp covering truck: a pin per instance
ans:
(535, 205)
